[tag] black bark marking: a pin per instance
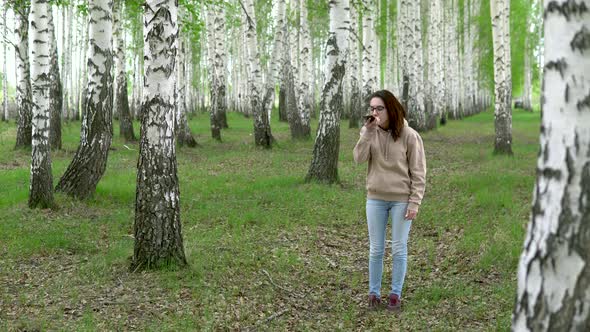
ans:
(567, 93)
(559, 65)
(584, 103)
(550, 173)
(581, 40)
(567, 9)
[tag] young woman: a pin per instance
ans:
(396, 179)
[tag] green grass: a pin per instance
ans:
(261, 242)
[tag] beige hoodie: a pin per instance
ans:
(397, 169)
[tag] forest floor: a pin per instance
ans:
(267, 251)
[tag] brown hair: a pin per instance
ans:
(395, 110)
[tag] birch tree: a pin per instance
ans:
(304, 92)
(262, 134)
(324, 165)
(23, 75)
(527, 95)
(4, 72)
(158, 236)
(554, 270)
(353, 73)
(120, 97)
(183, 131)
(216, 50)
(41, 184)
(368, 49)
(90, 161)
(56, 98)
(502, 110)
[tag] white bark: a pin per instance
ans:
(4, 72)
(89, 163)
(41, 184)
(276, 56)
(262, 133)
(324, 165)
(158, 237)
(502, 110)
(369, 49)
(553, 292)
(23, 79)
(528, 86)
(353, 71)
(183, 132)
(120, 100)
(305, 69)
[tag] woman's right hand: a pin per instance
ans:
(372, 122)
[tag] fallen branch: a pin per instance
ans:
(267, 320)
(279, 286)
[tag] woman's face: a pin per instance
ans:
(378, 110)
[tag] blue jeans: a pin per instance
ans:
(378, 212)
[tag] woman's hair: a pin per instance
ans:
(395, 110)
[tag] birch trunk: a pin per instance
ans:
(276, 56)
(262, 134)
(553, 292)
(368, 49)
(290, 99)
(215, 28)
(305, 70)
(415, 106)
(4, 72)
(183, 131)
(90, 161)
(158, 237)
(503, 114)
(324, 165)
(41, 184)
(356, 93)
(528, 86)
(121, 100)
(23, 79)
(56, 90)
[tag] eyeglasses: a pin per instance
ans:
(378, 109)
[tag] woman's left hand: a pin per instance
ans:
(410, 214)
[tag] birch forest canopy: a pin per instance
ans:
(441, 50)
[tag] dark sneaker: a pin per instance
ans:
(374, 301)
(394, 303)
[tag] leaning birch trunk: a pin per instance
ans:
(304, 102)
(41, 185)
(183, 131)
(356, 94)
(158, 236)
(23, 79)
(56, 98)
(554, 268)
(502, 113)
(262, 134)
(290, 100)
(89, 163)
(121, 101)
(324, 165)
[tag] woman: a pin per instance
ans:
(395, 186)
